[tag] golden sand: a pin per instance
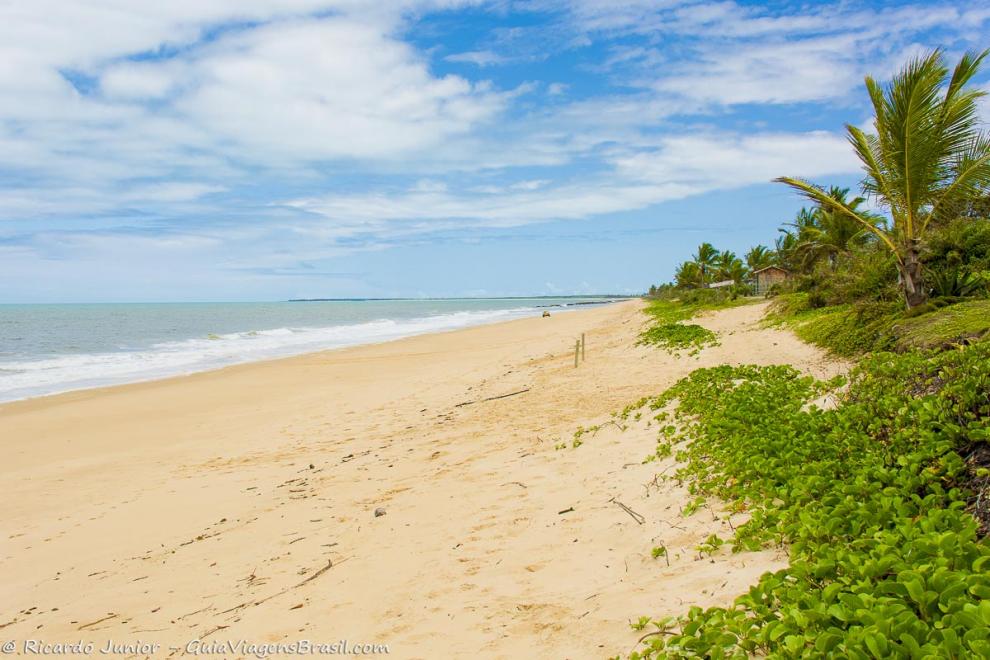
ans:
(239, 504)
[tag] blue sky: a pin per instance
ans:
(253, 150)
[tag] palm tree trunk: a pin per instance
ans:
(912, 284)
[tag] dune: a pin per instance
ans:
(412, 494)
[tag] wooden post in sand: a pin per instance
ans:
(582, 347)
(577, 350)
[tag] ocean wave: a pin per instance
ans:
(26, 378)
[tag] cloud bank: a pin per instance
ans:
(302, 130)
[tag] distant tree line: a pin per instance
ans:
(918, 231)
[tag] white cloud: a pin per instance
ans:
(141, 80)
(172, 191)
(270, 86)
(730, 54)
(531, 184)
(376, 213)
(477, 57)
(679, 167)
(37, 202)
(328, 89)
(729, 161)
(206, 109)
(781, 72)
(430, 185)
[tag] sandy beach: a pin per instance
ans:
(239, 504)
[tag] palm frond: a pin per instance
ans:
(971, 177)
(818, 195)
(867, 148)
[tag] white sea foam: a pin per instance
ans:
(28, 378)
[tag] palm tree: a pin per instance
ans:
(705, 259)
(737, 271)
(827, 233)
(689, 275)
(729, 267)
(805, 223)
(784, 252)
(926, 158)
(758, 257)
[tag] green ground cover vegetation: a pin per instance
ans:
(874, 499)
(881, 497)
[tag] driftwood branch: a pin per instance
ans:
(635, 516)
(93, 623)
(491, 398)
(212, 630)
(316, 574)
(286, 590)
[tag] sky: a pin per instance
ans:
(252, 150)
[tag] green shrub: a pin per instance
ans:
(667, 330)
(787, 306)
(955, 282)
(867, 274)
(690, 302)
(669, 311)
(964, 242)
(712, 298)
(817, 299)
(678, 336)
(779, 289)
(663, 291)
(870, 497)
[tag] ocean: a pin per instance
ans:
(46, 349)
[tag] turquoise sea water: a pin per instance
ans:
(46, 349)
